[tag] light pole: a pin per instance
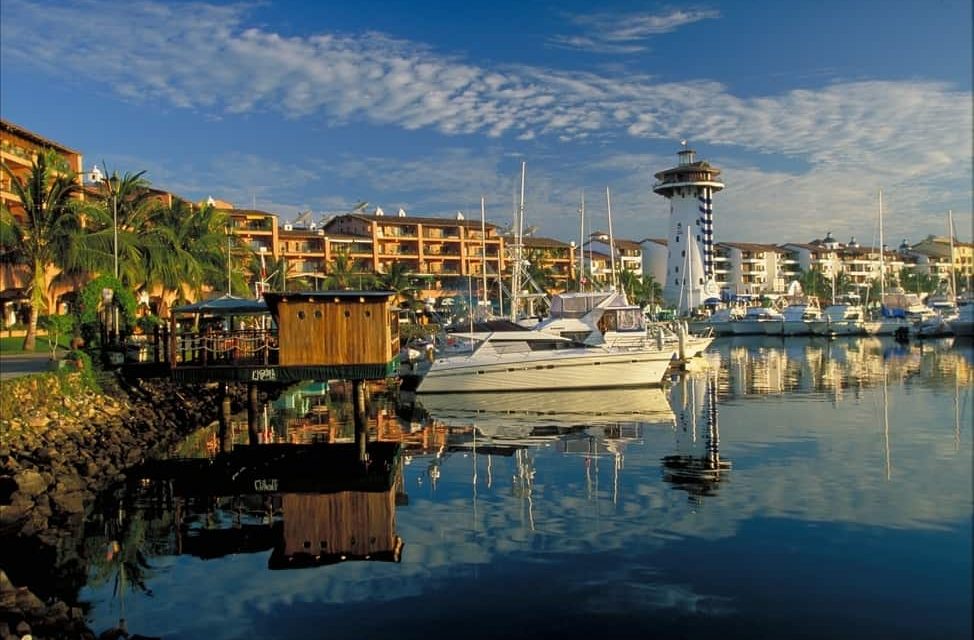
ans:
(227, 229)
(111, 184)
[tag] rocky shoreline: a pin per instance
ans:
(58, 453)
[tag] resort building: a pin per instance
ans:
(554, 257)
(933, 257)
(745, 269)
(18, 149)
(439, 249)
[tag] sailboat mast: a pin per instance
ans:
(483, 247)
(950, 235)
(882, 255)
(612, 242)
(518, 251)
(581, 240)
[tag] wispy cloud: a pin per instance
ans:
(625, 33)
(913, 136)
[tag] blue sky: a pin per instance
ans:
(809, 108)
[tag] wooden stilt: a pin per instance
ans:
(361, 436)
(224, 417)
(253, 414)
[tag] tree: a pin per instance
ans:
(916, 282)
(56, 327)
(341, 272)
(185, 247)
(125, 210)
(42, 239)
(538, 269)
(397, 279)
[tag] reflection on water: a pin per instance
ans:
(799, 488)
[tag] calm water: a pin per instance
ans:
(786, 490)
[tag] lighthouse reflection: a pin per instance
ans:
(700, 470)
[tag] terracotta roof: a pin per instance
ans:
(532, 241)
(33, 137)
(397, 219)
(313, 233)
(749, 246)
(660, 241)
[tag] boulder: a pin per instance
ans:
(30, 482)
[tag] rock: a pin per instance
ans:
(13, 515)
(22, 628)
(69, 501)
(30, 482)
(29, 603)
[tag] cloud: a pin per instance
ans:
(619, 33)
(840, 141)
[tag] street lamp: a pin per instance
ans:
(111, 184)
(227, 229)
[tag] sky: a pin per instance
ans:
(809, 109)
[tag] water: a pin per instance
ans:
(799, 489)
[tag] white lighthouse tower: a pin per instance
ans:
(690, 187)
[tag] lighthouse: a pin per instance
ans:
(690, 187)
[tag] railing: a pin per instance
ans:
(234, 348)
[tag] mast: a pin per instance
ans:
(882, 256)
(612, 242)
(581, 239)
(518, 251)
(950, 235)
(483, 247)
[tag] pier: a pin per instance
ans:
(285, 337)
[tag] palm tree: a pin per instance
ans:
(121, 220)
(42, 239)
(184, 249)
(538, 271)
(397, 279)
(346, 272)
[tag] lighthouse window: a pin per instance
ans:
(683, 253)
(676, 269)
(676, 281)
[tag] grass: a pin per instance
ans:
(15, 345)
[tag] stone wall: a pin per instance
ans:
(62, 443)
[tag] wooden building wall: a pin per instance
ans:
(346, 332)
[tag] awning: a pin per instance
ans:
(225, 306)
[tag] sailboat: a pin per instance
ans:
(893, 310)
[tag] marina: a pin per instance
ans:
(640, 508)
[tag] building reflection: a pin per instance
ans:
(836, 368)
(697, 473)
(310, 505)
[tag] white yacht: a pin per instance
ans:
(537, 360)
(758, 321)
(802, 318)
(607, 318)
(590, 340)
(842, 319)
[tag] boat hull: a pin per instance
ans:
(539, 371)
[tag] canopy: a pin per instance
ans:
(225, 305)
